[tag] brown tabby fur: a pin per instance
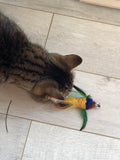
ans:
(31, 67)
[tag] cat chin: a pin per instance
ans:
(38, 98)
(46, 99)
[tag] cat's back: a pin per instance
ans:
(12, 40)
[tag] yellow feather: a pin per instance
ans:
(76, 102)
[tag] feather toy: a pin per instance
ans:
(84, 103)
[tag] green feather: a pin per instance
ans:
(84, 116)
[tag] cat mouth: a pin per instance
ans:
(54, 100)
(59, 103)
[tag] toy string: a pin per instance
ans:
(7, 115)
(80, 91)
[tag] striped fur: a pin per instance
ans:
(30, 66)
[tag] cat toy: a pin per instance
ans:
(84, 103)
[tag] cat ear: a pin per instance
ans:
(47, 88)
(72, 61)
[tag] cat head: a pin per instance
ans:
(60, 80)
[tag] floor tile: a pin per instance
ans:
(12, 143)
(106, 91)
(104, 120)
(72, 8)
(34, 23)
(51, 142)
(97, 43)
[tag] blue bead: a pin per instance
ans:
(89, 102)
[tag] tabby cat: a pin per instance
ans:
(28, 65)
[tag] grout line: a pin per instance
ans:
(83, 18)
(87, 19)
(38, 121)
(49, 30)
(98, 74)
(26, 140)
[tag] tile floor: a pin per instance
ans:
(38, 131)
